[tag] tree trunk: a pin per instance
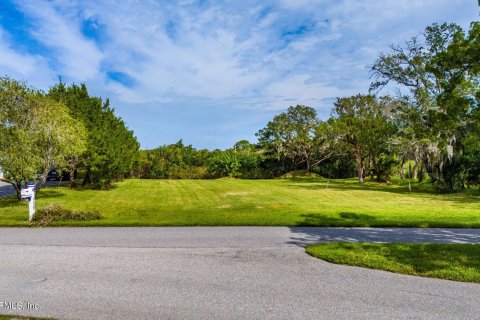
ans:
(87, 178)
(73, 181)
(402, 167)
(361, 171)
(379, 175)
(418, 163)
(373, 165)
(44, 177)
(360, 166)
(18, 189)
(376, 167)
(415, 171)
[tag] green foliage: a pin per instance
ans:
(385, 166)
(244, 146)
(19, 157)
(290, 139)
(436, 119)
(224, 164)
(175, 161)
(61, 137)
(250, 165)
(363, 124)
(111, 149)
(338, 167)
(37, 133)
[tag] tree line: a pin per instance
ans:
(65, 128)
(428, 129)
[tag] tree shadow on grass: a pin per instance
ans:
(360, 220)
(78, 188)
(9, 201)
(349, 186)
(93, 188)
(49, 194)
(12, 201)
(424, 258)
(423, 192)
(344, 219)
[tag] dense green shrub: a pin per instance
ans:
(224, 164)
(175, 161)
(111, 148)
(385, 167)
(338, 167)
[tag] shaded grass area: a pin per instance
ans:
(459, 262)
(279, 202)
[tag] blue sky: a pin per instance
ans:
(210, 72)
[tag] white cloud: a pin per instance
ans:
(79, 57)
(298, 90)
(245, 56)
(23, 66)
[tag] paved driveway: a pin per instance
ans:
(218, 273)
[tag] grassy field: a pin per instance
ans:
(277, 202)
(459, 262)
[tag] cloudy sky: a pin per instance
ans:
(210, 72)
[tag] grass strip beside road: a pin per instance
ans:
(458, 262)
(13, 317)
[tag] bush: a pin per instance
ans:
(386, 165)
(55, 212)
(337, 167)
(452, 178)
(175, 161)
(224, 164)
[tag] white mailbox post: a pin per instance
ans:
(29, 194)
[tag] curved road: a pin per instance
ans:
(218, 273)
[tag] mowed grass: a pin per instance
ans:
(459, 262)
(277, 202)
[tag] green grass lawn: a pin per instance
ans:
(277, 202)
(459, 262)
(12, 317)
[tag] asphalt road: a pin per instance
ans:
(7, 189)
(218, 273)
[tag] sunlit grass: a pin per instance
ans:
(459, 262)
(278, 202)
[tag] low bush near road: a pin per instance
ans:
(55, 212)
